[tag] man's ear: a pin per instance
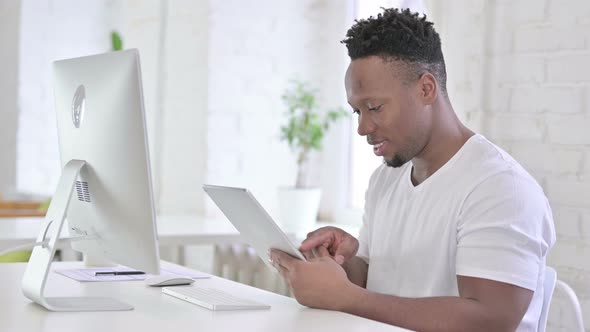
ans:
(428, 88)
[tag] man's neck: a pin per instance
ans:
(446, 139)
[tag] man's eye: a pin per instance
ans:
(374, 109)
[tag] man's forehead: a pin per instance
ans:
(369, 74)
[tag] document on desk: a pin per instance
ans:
(89, 274)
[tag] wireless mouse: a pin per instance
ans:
(168, 280)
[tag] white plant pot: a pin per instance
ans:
(298, 208)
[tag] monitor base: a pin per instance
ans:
(39, 266)
(84, 304)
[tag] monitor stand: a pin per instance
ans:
(38, 268)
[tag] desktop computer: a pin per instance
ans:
(105, 189)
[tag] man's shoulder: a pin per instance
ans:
(495, 174)
(485, 160)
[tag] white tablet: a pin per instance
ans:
(252, 221)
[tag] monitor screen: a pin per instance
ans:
(101, 120)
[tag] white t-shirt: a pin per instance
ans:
(480, 215)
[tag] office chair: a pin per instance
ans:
(551, 282)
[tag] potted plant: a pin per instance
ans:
(116, 41)
(304, 132)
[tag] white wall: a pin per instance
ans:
(213, 74)
(49, 30)
(331, 22)
(519, 73)
(9, 37)
(255, 49)
(174, 80)
(181, 125)
(141, 26)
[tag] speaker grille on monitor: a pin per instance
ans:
(83, 193)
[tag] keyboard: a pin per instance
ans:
(212, 299)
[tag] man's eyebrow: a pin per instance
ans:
(364, 100)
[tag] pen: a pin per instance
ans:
(118, 273)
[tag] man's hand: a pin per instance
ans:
(317, 283)
(340, 245)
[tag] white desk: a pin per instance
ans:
(175, 231)
(155, 311)
(172, 231)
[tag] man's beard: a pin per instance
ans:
(397, 161)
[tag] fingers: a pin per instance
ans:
(316, 252)
(284, 274)
(347, 249)
(316, 241)
(282, 271)
(321, 237)
(282, 259)
(308, 254)
(322, 252)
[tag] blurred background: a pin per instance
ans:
(214, 73)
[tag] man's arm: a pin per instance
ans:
(483, 305)
(356, 270)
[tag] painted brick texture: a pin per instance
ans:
(531, 89)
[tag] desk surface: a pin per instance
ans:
(172, 231)
(177, 230)
(155, 311)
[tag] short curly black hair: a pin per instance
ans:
(402, 36)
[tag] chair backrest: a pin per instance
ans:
(548, 288)
(549, 285)
(574, 302)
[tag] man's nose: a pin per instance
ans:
(365, 126)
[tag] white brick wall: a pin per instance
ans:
(49, 31)
(212, 94)
(570, 225)
(548, 37)
(515, 127)
(529, 93)
(569, 130)
(547, 99)
(534, 157)
(175, 123)
(568, 68)
(250, 63)
(9, 27)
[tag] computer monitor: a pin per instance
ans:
(105, 188)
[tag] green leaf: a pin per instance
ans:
(305, 124)
(116, 41)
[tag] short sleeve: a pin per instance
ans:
(505, 230)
